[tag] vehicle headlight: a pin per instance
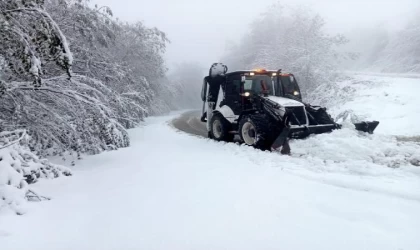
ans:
(247, 94)
(295, 92)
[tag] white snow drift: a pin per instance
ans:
(17, 163)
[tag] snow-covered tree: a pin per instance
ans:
(382, 49)
(401, 54)
(72, 78)
(29, 37)
(114, 67)
(292, 39)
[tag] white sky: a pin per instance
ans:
(199, 29)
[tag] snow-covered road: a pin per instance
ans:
(170, 190)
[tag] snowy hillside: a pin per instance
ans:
(170, 190)
(391, 99)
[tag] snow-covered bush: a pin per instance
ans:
(20, 167)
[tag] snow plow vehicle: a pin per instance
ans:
(263, 107)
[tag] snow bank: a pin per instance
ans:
(18, 167)
(348, 159)
(356, 150)
(392, 101)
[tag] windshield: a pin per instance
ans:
(290, 86)
(258, 83)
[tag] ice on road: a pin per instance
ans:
(170, 190)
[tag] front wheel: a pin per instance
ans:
(220, 128)
(254, 131)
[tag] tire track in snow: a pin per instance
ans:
(190, 123)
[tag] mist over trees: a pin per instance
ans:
(400, 51)
(293, 39)
(188, 78)
(380, 49)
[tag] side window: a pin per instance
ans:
(233, 87)
(248, 85)
(278, 87)
(237, 86)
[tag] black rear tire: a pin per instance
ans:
(220, 128)
(254, 130)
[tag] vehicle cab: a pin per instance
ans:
(239, 87)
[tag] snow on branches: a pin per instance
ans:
(81, 115)
(115, 70)
(29, 36)
(19, 167)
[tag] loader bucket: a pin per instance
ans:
(367, 127)
(305, 131)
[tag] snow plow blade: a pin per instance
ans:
(305, 131)
(367, 127)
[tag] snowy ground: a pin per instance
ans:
(170, 190)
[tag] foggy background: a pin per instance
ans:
(200, 31)
(117, 60)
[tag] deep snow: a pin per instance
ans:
(170, 190)
(175, 191)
